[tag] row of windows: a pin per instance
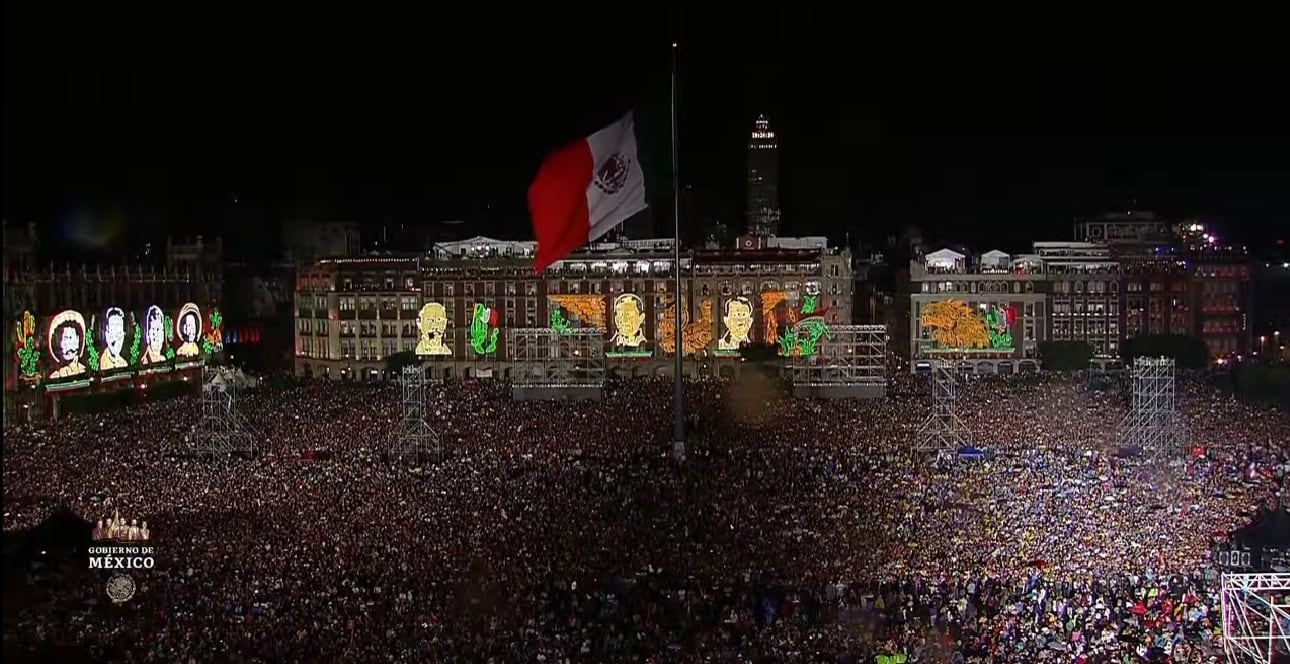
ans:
(407, 303)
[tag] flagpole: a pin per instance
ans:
(678, 405)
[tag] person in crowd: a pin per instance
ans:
(796, 530)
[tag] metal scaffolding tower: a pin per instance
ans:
(1256, 618)
(556, 364)
(221, 430)
(850, 361)
(943, 431)
(1153, 425)
(413, 436)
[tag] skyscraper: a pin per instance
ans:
(763, 179)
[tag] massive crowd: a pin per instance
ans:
(796, 530)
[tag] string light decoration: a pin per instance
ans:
(170, 332)
(954, 324)
(24, 346)
(695, 336)
(134, 344)
(558, 323)
(213, 341)
(589, 309)
(483, 330)
(770, 300)
(93, 362)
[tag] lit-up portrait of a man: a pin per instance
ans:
(629, 321)
(189, 328)
(432, 323)
(154, 336)
(66, 343)
(738, 320)
(113, 340)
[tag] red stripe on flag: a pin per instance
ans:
(558, 203)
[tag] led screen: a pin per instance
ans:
(432, 326)
(65, 342)
(188, 331)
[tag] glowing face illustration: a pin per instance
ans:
(114, 339)
(114, 332)
(154, 336)
(69, 344)
(738, 321)
(66, 343)
(189, 327)
(629, 321)
(432, 322)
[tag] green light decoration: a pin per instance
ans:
(24, 346)
(134, 345)
(213, 341)
(804, 338)
(558, 323)
(810, 304)
(483, 330)
(170, 333)
(996, 322)
(89, 344)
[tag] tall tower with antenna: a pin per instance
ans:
(763, 179)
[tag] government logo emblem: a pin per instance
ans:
(120, 588)
(613, 174)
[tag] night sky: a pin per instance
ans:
(986, 140)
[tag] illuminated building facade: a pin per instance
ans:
(987, 313)
(470, 292)
(1134, 276)
(352, 312)
(1084, 280)
(77, 329)
(763, 179)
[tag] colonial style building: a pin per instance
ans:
(1134, 275)
(469, 294)
(83, 327)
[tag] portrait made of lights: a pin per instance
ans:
(111, 342)
(154, 334)
(955, 325)
(432, 328)
(189, 331)
(65, 343)
(737, 325)
(629, 327)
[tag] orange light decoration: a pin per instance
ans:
(955, 325)
(695, 336)
(590, 309)
(769, 301)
